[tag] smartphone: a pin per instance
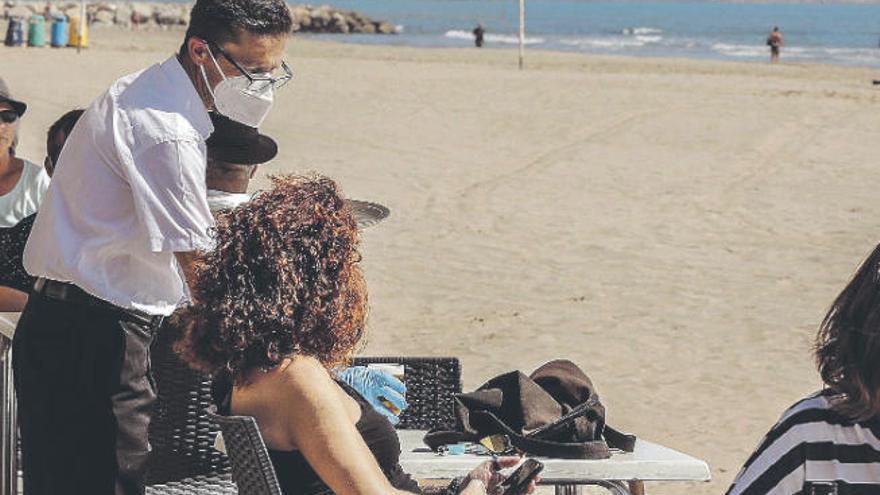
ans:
(518, 481)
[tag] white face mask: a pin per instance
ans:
(222, 200)
(232, 98)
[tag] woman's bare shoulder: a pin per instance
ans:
(293, 377)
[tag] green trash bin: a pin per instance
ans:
(37, 30)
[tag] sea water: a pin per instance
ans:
(845, 34)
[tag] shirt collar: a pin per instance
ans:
(191, 100)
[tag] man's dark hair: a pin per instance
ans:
(64, 124)
(221, 21)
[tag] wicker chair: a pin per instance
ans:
(431, 383)
(251, 467)
(181, 434)
(199, 485)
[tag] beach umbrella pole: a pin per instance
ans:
(522, 31)
(82, 25)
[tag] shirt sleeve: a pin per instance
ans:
(776, 467)
(42, 183)
(168, 186)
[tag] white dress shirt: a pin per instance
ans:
(24, 199)
(128, 192)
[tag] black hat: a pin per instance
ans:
(18, 106)
(234, 142)
(553, 412)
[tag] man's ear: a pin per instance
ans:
(197, 49)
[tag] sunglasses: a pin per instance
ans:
(499, 445)
(8, 116)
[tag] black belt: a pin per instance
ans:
(63, 291)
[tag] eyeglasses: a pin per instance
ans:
(258, 82)
(8, 116)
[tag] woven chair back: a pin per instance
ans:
(252, 469)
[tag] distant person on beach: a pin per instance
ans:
(828, 442)
(15, 283)
(478, 35)
(111, 267)
(774, 41)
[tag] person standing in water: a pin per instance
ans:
(478, 35)
(774, 41)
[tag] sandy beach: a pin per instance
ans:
(676, 227)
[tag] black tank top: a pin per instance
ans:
(295, 474)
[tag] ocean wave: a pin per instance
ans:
(640, 31)
(493, 38)
(734, 50)
(855, 55)
(844, 55)
(612, 43)
(649, 39)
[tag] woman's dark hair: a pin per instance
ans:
(848, 344)
(221, 21)
(282, 280)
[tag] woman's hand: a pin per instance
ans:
(486, 479)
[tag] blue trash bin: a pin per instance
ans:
(15, 32)
(59, 30)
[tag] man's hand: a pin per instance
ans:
(379, 388)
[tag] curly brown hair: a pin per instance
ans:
(283, 279)
(848, 344)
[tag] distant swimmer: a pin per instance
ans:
(478, 35)
(774, 41)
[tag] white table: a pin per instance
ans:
(8, 421)
(623, 473)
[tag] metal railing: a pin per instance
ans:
(8, 423)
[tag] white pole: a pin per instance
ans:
(522, 31)
(82, 25)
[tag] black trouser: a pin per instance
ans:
(82, 375)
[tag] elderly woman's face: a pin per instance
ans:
(7, 130)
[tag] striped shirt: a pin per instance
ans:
(813, 449)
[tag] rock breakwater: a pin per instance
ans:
(306, 18)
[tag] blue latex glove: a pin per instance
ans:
(375, 385)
